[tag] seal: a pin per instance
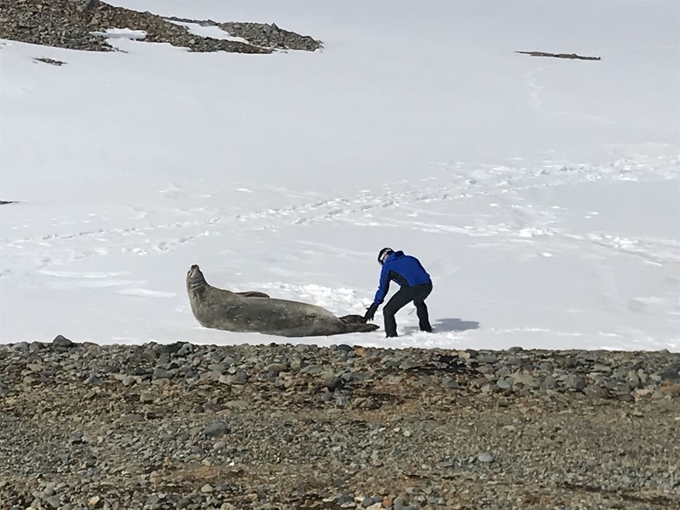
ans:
(256, 312)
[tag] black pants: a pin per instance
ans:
(417, 294)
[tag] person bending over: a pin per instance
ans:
(416, 286)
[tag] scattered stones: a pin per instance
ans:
(301, 426)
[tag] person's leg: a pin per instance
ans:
(421, 307)
(398, 301)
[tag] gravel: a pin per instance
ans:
(300, 426)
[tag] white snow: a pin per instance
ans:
(542, 194)
(208, 31)
(121, 33)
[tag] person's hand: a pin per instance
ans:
(370, 312)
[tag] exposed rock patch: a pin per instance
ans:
(51, 61)
(558, 55)
(261, 34)
(71, 23)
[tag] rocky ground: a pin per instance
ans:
(296, 426)
(70, 23)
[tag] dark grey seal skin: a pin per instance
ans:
(256, 312)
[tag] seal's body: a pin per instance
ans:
(255, 312)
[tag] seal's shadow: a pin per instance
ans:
(446, 325)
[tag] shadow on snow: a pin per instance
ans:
(446, 326)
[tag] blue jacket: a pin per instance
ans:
(406, 270)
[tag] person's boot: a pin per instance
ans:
(390, 325)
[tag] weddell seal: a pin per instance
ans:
(256, 312)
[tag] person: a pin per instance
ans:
(416, 286)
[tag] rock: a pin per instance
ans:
(524, 379)
(633, 380)
(595, 391)
(93, 379)
(237, 404)
(549, 383)
(671, 372)
(185, 350)
(172, 348)
(276, 368)
(448, 463)
(369, 501)
(333, 383)
(36, 346)
(503, 384)
(161, 373)
(399, 503)
(575, 382)
(502, 372)
(220, 368)
(345, 498)
(485, 458)
(668, 388)
(62, 342)
(313, 370)
(215, 430)
(132, 417)
(546, 366)
(53, 502)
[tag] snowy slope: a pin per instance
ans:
(542, 194)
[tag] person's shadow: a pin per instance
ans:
(447, 325)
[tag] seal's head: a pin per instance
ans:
(195, 279)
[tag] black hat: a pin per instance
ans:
(383, 254)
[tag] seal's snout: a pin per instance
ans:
(195, 278)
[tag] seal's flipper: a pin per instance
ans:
(362, 328)
(253, 293)
(353, 319)
(357, 324)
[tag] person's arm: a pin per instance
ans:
(383, 287)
